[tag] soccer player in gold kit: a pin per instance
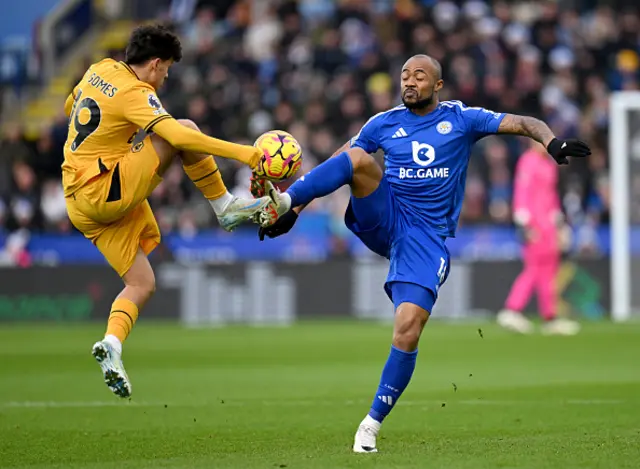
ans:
(107, 179)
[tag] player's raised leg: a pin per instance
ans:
(203, 171)
(353, 166)
(140, 284)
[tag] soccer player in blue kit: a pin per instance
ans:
(406, 213)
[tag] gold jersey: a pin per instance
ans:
(109, 106)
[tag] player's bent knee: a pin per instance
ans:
(144, 282)
(409, 323)
(148, 284)
(362, 161)
(144, 285)
(145, 289)
(367, 173)
(407, 339)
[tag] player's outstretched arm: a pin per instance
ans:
(184, 138)
(540, 132)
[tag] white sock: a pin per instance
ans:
(220, 204)
(114, 342)
(285, 199)
(369, 421)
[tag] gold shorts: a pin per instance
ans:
(112, 209)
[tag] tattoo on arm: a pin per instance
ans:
(527, 127)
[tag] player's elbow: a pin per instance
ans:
(521, 217)
(68, 105)
(189, 124)
(173, 131)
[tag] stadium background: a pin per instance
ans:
(263, 397)
(319, 69)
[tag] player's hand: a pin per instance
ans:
(282, 226)
(561, 149)
(278, 206)
(260, 188)
(526, 234)
(565, 237)
(258, 154)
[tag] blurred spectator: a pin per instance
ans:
(12, 148)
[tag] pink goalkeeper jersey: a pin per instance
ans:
(536, 203)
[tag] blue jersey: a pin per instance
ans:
(426, 157)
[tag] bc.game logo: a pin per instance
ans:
(423, 155)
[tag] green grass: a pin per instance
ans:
(293, 397)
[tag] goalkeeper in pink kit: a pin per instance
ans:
(537, 213)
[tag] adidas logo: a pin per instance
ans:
(400, 133)
(386, 399)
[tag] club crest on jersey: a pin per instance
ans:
(154, 102)
(444, 127)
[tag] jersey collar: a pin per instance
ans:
(427, 117)
(125, 65)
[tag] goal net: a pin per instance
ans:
(624, 158)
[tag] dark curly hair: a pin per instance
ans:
(151, 42)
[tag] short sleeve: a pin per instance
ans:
(367, 138)
(143, 108)
(481, 122)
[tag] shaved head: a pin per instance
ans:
(426, 62)
(421, 81)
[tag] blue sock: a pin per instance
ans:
(322, 180)
(395, 377)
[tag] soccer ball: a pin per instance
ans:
(282, 155)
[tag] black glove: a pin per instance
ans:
(282, 226)
(560, 149)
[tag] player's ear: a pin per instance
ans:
(438, 86)
(155, 63)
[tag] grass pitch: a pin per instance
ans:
(273, 398)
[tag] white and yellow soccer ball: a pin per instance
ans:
(282, 155)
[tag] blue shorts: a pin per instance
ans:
(419, 258)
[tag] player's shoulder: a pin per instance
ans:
(455, 106)
(455, 112)
(460, 108)
(103, 64)
(385, 116)
(122, 74)
(107, 68)
(466, 113)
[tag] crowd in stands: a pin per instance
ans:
(320, 68)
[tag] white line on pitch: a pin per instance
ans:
(67, 404)
(296, 403)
